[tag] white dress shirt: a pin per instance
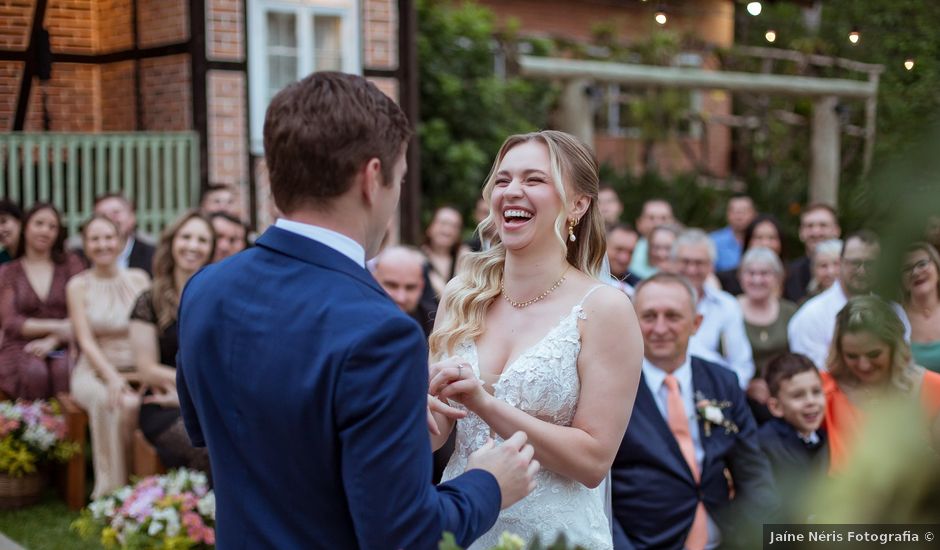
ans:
(811, 329)
(124, 257)
(656, 381)
(721, 338)
(327, 237)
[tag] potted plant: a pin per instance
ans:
(174, 511)
(32, 434)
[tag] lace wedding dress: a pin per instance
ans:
(543, 382)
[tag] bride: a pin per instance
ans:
(528, 339)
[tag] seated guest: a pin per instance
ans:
(10, 225)
(655, 213)
(661, 239)
(610, 205)
(443, 247)
(99, 299)
(135, 252)
(811, 328)
(766, 316)
(825, 266)
(920, 286)
(794, 440)
(818, 223)
(764, 232)
(668, 482)
(721, 338)
(400, 271)
(730, 240)
(621, 240)
(869, 361)
(219, 197)
(231, 235)
(184, 248)
(34, 361)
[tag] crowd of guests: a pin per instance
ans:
(805, 341)
(95, 317)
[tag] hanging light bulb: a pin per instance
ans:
(909, 63)
(854, 35)
(754, 8)
(771, 35)
(660, 16)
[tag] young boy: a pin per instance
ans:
(793, 439)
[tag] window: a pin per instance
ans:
(289, 39)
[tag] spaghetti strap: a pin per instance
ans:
(589, 292)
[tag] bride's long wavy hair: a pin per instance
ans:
(470, 294)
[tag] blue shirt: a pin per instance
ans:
(728, 248)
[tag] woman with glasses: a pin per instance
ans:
(920, 286)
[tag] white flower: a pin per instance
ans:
(39, 436)
(713, 414)
(155, 527)
(102, 508)
(206, 505)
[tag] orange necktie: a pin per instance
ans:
(679, 424)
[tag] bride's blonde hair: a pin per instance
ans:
(477, 284)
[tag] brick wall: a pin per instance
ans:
(10, 72)
(72, 96)
(380, 34)
(228, 134)
(118, 103)
(16, 17)
(166, 93)
(161, 22)
(224, 23)
(71, 25)
(114, 22)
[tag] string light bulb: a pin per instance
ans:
(854, 35)
(754, 8)
(771, 35)
(660, 16)
(909, 63)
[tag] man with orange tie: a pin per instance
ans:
(689, 473)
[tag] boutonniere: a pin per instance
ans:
(710, 411)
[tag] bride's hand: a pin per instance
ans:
(453, 378)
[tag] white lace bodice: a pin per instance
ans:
(544, 383)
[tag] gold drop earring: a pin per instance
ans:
(571, 224)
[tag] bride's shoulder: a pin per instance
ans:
(603, 301)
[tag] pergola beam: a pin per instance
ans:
(681, 77)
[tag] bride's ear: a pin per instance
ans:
(579, 207)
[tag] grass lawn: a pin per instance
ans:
(44, 526)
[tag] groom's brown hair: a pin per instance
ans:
(319, 131)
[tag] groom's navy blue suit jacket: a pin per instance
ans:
(308, 385)
(653, 492)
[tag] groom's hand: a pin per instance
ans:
(512, 465)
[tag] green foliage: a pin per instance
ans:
(44, 526)
(466, 109)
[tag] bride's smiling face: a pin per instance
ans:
(525, 201)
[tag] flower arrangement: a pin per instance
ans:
(511, 541)
(31, 433)
(175, 511)
(710, 411)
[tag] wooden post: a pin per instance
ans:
(577, 116)
(825, 166)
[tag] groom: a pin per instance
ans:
(305, 381)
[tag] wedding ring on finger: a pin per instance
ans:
(459, 370)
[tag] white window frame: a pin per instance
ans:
(304, 11)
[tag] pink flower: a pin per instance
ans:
(209, 537)
(8, 426)
(194, 527)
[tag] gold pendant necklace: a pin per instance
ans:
(521, 305)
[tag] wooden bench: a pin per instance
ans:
(146, 462)
(72, 473)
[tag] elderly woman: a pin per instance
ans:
(870, 360)
(763, 232)
(36, 331)
(920, 285)
(765, 317)
(824, 265)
